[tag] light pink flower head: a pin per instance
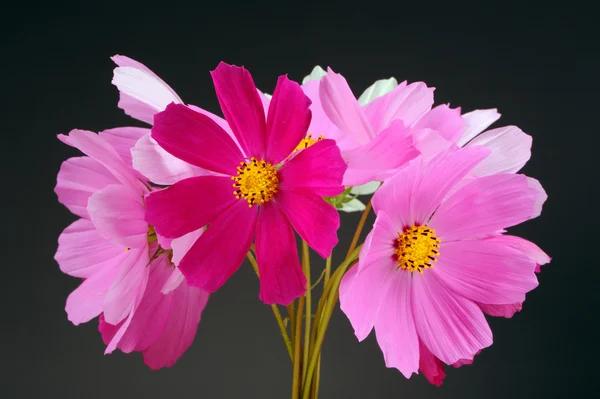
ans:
(258, 192)
(434, 261)
(129, 280)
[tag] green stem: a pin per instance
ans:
(308, 308)
(296, 376)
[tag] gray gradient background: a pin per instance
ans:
(538, 67)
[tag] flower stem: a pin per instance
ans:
(308, 307)
(317, 377)
(296, 376)
(282, 329)
(359, 228)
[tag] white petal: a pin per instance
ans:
(365, 189)
(316, 74)
(353, 206)
(377, 89)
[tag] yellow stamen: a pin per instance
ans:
(256, 181)
(416, 248)
(307, 142)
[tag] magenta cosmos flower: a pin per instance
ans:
(260, 192)
(434, 261)
(128, 279)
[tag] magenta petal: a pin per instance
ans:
(77, 180)
(431, 367)
(189, 204)
(451, 326)
(382, 157)
(315, 220)
(123, 139)
(82, 252)
(180, 329)
(128, 286)
(221, 249)
(342, 108)
(287, 121)
(242, 107)
(118, 215)
(486, 205)
(476, 122)
(443, 119)
(196, 139)
(319, 169)
(506, 311)
(485, 271)
(281, 276)
(395, 327)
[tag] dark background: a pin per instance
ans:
(539, 67)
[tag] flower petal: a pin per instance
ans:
(382, 157)
(486, 205)
(281, 276)
(143, 93)
(82, 252)
(431, 367)
(196, 139)
(189, 204)
(511, 149)
(160, 167)
(477, 122)
(316, 74)
(366, 189)
(506, 311)
(174, 280)
(221, 249)
(183, 244)
(485, 271)
(526, 247)
(319, 169)
(123, 139)
(342, 109)
(118, 215)
(406, 103)
(444, 120)
(395, 326)
(452, 327)
(320, 124)
(380, 241)
(315, 220)
(376, 90)
(354, 205)
(77, 180)
(242, 107)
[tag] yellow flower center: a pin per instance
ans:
(256, 181)
(416, 248)
(307, 142)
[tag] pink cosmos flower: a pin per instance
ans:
(259, 190)
(434, 262)
(128, 279)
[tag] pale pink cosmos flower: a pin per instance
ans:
(434, 262)
(258, 191)
(128, 280)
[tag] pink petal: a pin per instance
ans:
(320, 125)
(485, 271)
(443, 119)
(342, 109)
(476, 122)
(221, 249)
(430, 143)
(506, 311)
(196, 139)
(287, 121)
(160, 167)
(127, 287)
(319, 168)
(123, 139)
(431, 367)
(97, 148)
(528, 248)
(379, 243)
(82, 252)
(242, 107)
(77, 180)
(315, 220)
(189, 204)
(281, 276)
(143, 93)
(395, 327)
(87, 301)
(118, 215)
(451, 326)
(511, 149)
(487, 204)
(174, 280)
(382, 157)
(182, 245)
(406, 103)
(180, 330)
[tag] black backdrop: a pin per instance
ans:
(538, 67)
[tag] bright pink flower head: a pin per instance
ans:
(258, 193)
(128, 279)
(434, 260)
